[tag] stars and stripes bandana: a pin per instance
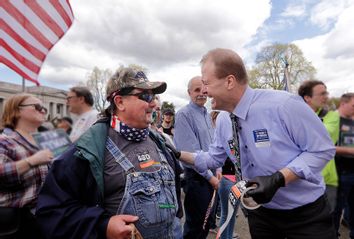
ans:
(129, 133)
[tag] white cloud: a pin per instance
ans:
(327, 11)
(166, 37)
(333, 54)
(294, 10)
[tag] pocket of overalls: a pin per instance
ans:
(152, 206)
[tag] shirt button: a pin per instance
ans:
(252, 164)
(246, 147)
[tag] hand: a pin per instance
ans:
(218, 175)
(119, 226)
(43, 156)
(173, 150)
(214, 182)
(267, 186)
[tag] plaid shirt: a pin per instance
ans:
(18, 190)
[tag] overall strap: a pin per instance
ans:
(161, 148)
(119, 156)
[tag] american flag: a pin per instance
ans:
(28, 30)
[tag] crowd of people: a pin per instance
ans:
(124, 172)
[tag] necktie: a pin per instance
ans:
(235, 127)
(232, 197)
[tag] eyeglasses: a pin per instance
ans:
(38, 107)
(69, 97)
(325, 93)
(145, 96)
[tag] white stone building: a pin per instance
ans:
(53, 99)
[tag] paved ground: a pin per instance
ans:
(242, 229)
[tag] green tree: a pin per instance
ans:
(96, 82)
(333, 103)
(270, 64)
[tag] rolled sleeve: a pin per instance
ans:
(313, 140)
(186, 140)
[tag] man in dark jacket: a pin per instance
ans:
(118, 176)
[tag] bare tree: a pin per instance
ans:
(96, 82)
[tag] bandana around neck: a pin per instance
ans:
(129, 133)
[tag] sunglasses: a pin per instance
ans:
(38, 107)
(145, 96)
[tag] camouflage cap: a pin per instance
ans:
(127, 77)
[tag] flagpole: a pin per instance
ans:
(23, 84)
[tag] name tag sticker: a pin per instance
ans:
(261, 138)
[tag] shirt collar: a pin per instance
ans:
(244, 104)
(197, 107)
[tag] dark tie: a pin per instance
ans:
(236, 146)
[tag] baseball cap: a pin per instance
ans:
(130, 78)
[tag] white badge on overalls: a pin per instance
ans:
(261, 138)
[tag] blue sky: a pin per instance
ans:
(169, 38)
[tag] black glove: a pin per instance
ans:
(267, 186)
(173, 150)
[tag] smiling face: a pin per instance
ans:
(214, 87)
(133, 111)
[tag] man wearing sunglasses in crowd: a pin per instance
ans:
(118, 176)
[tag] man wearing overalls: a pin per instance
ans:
(117, 176)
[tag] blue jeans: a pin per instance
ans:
(224, 190)
(345, 199)
(177, 228)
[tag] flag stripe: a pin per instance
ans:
(20, 70)
(28, 30)
(8, 56)
(54, 14)
(20, 53)
(33, 50)
(20, 18)
(64, 13)
(37, 9)
(38, 24)
(20, 30)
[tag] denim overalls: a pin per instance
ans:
(149, 195)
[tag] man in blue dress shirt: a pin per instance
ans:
(283, 147)
(194, 132)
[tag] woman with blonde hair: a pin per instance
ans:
(23, 166)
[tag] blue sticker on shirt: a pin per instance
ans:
(261, 138)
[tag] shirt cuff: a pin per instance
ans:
(304, 172)
(200, 163)
(208, 175)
